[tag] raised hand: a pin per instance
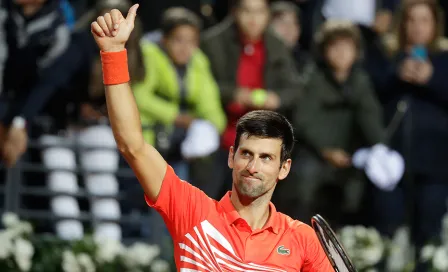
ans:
(111, 31)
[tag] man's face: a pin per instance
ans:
(341, 54)
(181, 44)
(256, 166)
(287, 27)
(252, 17)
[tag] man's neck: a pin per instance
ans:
(256, 212)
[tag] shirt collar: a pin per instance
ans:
(272, 224)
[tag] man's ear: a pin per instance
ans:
(284, 169)
(230, 158)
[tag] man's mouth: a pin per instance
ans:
(251, 178)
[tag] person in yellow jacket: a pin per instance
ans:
(178, 88)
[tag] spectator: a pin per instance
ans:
(178, 89)
(37, 37)
(338, 114)
(252, 66)
(416, 76)
(285, 21)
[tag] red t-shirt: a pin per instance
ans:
(249, 75)
(210, 235)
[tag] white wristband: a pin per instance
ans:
(18, 122)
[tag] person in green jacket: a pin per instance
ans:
(178, 87)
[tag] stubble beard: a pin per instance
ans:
(250, 190)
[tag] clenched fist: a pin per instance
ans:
(111, 31)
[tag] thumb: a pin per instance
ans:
(131, 14)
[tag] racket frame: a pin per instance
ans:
(317, 222)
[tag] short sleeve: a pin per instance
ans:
(181, 205)
(315, 259)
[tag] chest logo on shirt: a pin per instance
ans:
(282, 250)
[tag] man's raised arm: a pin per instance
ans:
(111, 33)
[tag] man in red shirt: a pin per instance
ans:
(242, 231)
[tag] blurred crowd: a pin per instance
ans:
(348, 74)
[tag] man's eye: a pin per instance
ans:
(266, 158)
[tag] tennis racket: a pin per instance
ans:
(331, 245)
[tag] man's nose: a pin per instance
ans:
(253, 166)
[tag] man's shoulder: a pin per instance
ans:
(296, 227)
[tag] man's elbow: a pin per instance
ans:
(130, 149)
(131, 153)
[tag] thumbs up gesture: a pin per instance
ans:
(111, 31)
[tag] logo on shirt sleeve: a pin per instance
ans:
(282, 250)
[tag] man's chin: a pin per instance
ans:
(246, 192)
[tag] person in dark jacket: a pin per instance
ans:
(414, 73)
(337, 114)
(37, 36)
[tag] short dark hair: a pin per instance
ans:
(267, 124)
(179, 16)
(278, 8)
(335, 29)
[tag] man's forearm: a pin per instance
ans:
(124, 118)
